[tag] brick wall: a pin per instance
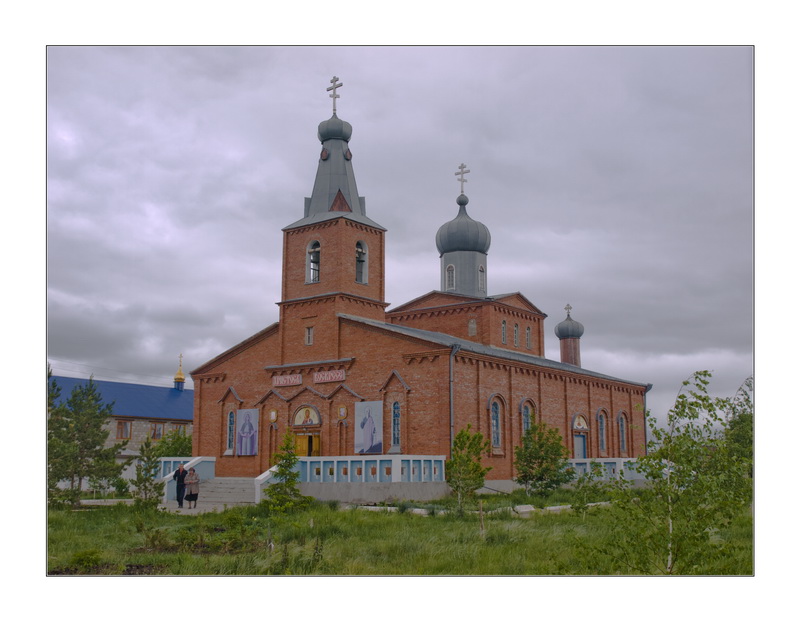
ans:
(416, 374)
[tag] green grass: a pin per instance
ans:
(325, 541)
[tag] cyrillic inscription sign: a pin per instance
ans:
(287, 379)
(329, 376)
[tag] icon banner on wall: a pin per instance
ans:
(368, 428)
(247, 432)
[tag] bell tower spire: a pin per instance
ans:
(335, 192)
(333, 258)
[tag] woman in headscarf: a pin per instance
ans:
(192, 487)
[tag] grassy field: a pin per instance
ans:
(325, 540)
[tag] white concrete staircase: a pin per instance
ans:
(219, 493)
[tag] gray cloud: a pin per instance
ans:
(618, 179)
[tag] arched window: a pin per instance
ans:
(472, 327)
(396, 424)
(495, 415)
(623, 434)
(450, 276)
(313, 262)
(527, 416)
(516, 334)
(528, 337)
(361, 262)
(482, 279)
(503, 332)
(601, 431)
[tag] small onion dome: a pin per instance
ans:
(334, 128)
(463, 233)
(179, 377)
(569, 328)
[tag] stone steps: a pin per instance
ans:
(219, 493)
(230, 490)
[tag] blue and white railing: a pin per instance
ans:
(363, 469)
(612, 467)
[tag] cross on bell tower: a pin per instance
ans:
(334, 96)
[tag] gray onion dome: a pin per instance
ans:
(463, 233)
(334, 128)
(569, 328)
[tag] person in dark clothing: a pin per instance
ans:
(180, 477)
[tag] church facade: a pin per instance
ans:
(345, 376)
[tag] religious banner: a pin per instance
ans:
(247, 432)
(369, 428)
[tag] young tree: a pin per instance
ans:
(174, 443)
(76, 440)
(463, 471)
(148, 491)
(541, 461)
(695, 485)
(588, 487)
(284, 495)
(739, 423)
(57, 451)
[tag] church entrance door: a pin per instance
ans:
(306, 444)
(580, 446)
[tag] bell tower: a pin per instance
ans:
(333, 257)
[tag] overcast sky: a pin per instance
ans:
(616, 179)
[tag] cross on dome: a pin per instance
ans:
(462, 170)
(568, 308)
(334, 95)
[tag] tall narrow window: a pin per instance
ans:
(601, 431)
(361, 263)
(231, 431)
(495, 424)
(396, 424)
(309, 336)
(503, 332)
(623, 431)
(482, 279)
(516, 334)
(528, 338)
(313, 262)
(450, 278)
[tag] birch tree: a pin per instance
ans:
(695, 485)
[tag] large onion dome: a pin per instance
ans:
(569, 328)
(463, 233)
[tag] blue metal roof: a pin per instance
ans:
(141, 401)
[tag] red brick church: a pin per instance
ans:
(347, 377)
